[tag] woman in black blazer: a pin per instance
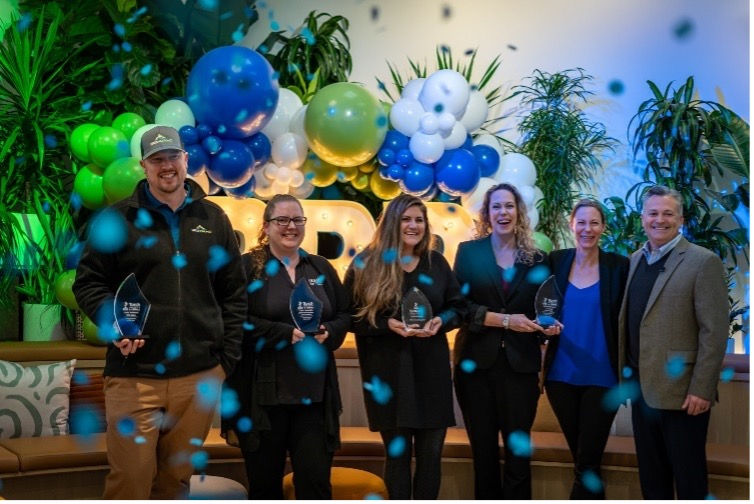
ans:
(581, 364)
(497, 350)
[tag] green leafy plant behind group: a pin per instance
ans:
(561, 140)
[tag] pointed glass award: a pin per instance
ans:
(306, 308)
(548, 302)
(416, 309)
(130, 309)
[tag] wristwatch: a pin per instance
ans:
(506, 320)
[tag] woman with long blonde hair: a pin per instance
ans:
(405, 368)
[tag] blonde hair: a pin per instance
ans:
(526, 251)
(378, 286)
(259, 256)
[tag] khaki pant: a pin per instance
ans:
(153, 427)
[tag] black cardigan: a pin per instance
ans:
(417, 370)
(478, 272)
(613, 275)
(254, 377)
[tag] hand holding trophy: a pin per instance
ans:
(547, 305)
(130, 311)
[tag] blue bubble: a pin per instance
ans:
(119, 30)
(520, 444)
(591, 481)
(159, 368)
(80, 378)
(179, 261)
(617, 395)
(140, 440)
(86, 106)
(331, 111)
(254, 286)
(683, 29)
(308, 36)
(143, 219)
(407, 259)
(84, 422)
(116, 48)
(381, 391)
(373, 496)
(208, 391)
(242, 115)
(146, 69)
(306, 401)
(381, 121)
(51, 141)
(439, 108)
(218, 257)
(320, 279)
(396, 447)
(710, 497)
(199, 460)
(509, 273)
(358, 263)
(195, 441)
(274, 26)
(627, 372)
(310, 356)
(272, 267)
(108, 232)
(248, 326)
(465, 288)
(114, 84)
(615, 87)
(425, 279)
(166, 81)
(538, 274)
(226, 15)
(24, 23)
(173, 350)
(244, 424)
(468, 365)
(259, 345)
(126, 46)
(145, 242)
(229, 404)
(674, 367)
(126, 426)
(726, 374)
(281, 344)
(390, 255)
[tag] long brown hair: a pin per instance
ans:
(259, 256)
(526, 251)
(378, 286)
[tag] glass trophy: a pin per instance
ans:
(130, 309)
(547, 302)
(306, 308)
(415, 309)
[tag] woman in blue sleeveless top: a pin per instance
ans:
(581, 363)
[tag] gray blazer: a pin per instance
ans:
(687, 318)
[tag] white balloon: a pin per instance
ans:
(446, 121)
(517, 169)
(533, 214)
(445, 91)
(264, 192)
(487, 139)
(288, 104)
(527, 194)
(405, 115)
(303, 191)
(279, 188)
(297, 178)
(289, 150)
(174, 113)
(426, 148)
(412, 89)
(297, 122)
(283, 175)
(476, 111)
(457, 136)
(202, 180)
(429, 123)
(136, 140)
(270, 171)
(538, 195)
(473, 202)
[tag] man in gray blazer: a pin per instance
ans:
(673, 327)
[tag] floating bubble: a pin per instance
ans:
(179, 261)
(591, 481)
(126, 426)
(683, 29)
(86, 106)
(308, 36)
(627, 372)
(143, 219)
(229, 404)
(51, 141)
(218, 257)
(381, 121)
(119, 30)
(226, 15)
(509, 273)
(373, 496)
(195, 441)
(674, 367)
(439, 108)
(537, 274)
(114, 84)
(159, 368)
(331, 111)
(520, 444)
(173, 350)
(465, 288)
(108, 232)
(281, 344)
(468, 52)
(374, 13)
(512, 47)
(244, 424)
(447, 12)
(254, 286)
(259, 345)
(84, 422)
(425, 279)
(145, 242)
(140, 440)
(726, 374)
(208, 390)
(468, 365)
(358, 262)
(207, 4)
(615, 87)
(274, 26)
(116, 48)
(617, 395)
(80, 378)
(396, 447)
(320, 279)
(126, 46)
(248, 326)
(272, 267)
(146, 69)
(381, 391)
(407, 259)
(23, 24)
(199, 460)
(710, 497)
(166, 81)
(390, 255)
(306, 401)
(310, 355)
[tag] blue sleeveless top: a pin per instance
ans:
(582, 358)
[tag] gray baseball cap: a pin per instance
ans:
(158, 139)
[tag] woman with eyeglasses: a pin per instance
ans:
(286, 407)
(405, 367)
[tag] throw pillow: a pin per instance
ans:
(34, 399)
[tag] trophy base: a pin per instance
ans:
(135, 336)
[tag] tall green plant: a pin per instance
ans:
(561, 140)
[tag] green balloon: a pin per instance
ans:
(106, 144)
(128, 123)
(345, 124)
(88, 185)
(64, 289)
(91, 332)
(121, 177)
(542, 242)
(80, 139)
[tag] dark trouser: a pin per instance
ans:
(496, 400)
(670, 447)
(427, 445)
(299, 430)
(586, 426)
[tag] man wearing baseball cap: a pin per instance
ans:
(161, 386)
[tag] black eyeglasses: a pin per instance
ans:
(284, 221)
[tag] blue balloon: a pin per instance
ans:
(233, 87)
(212, 144)
(404, 157)
(203, 130)
(468, 143)
(418, 179)
(243, 192)
(457, 172)
(386, 156)
(395, 172)
(214, 189)
(487, 158)
(198, 159)
(232, 167)
(395, 141)
(189, 135)
(260, 147)
(431, 193)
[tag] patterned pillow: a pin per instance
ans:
(34, 399)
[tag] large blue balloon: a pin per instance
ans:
(233, 166)
(487, 158)
(232, 87)
(395, 141)
(260, 147)
(386, 156)
(457, 172)
(198, 159)
(418, 178)
(189, 135)
(243, 192)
